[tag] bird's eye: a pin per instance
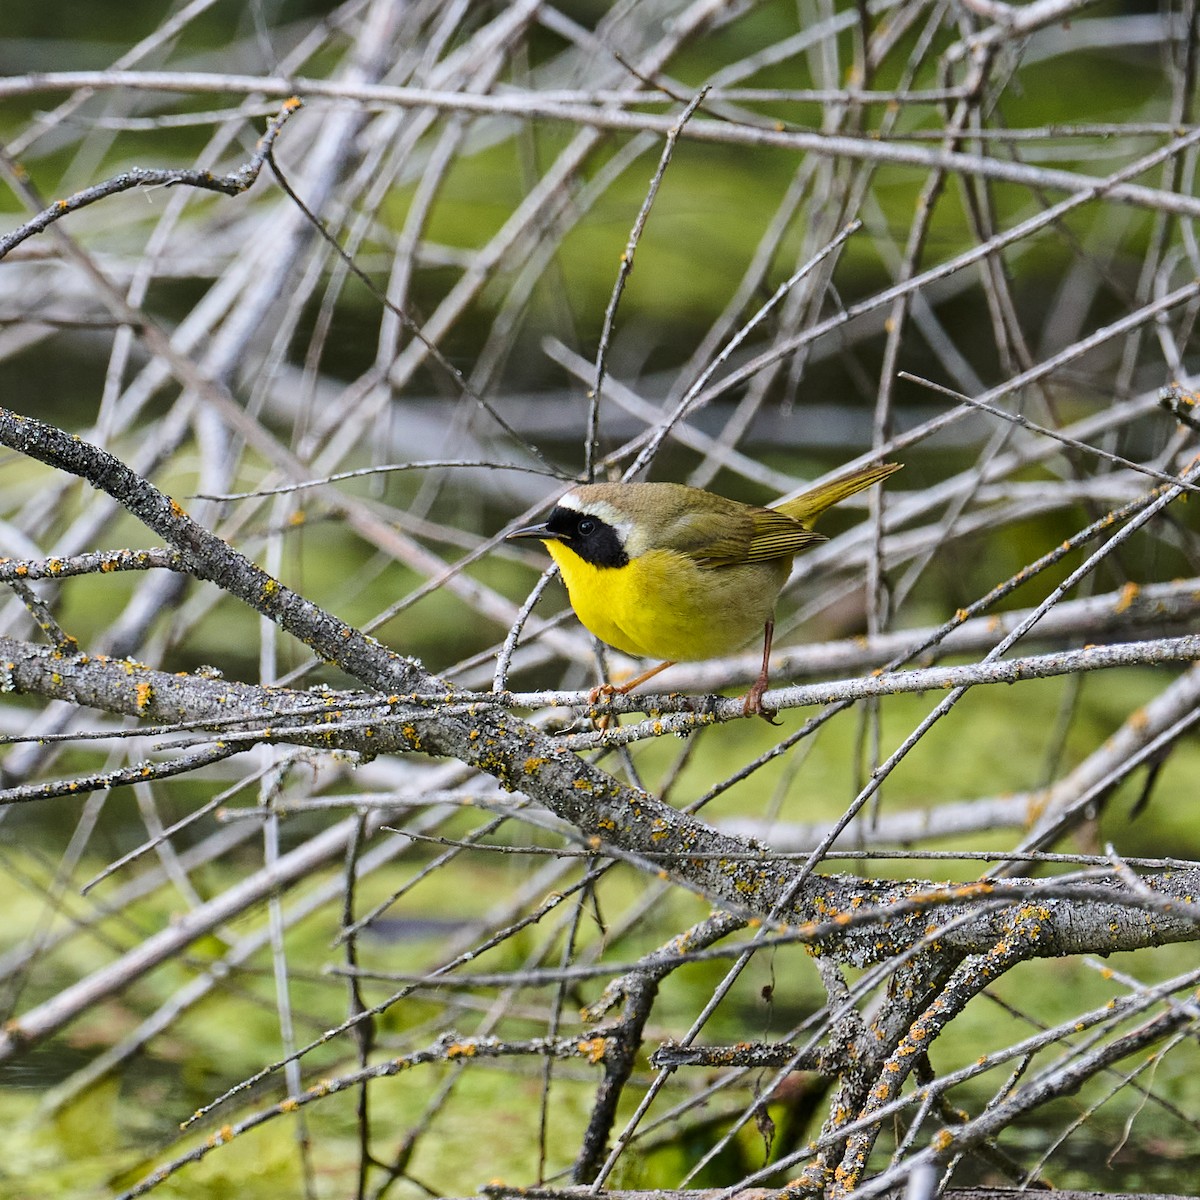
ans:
(586, 527)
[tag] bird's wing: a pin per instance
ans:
(744, 534)
(778, 536)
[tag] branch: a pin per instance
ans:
(232, 184)
(683, 717)
(532, 106)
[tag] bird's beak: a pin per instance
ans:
(541, 531)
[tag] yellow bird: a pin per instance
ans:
(660, 570)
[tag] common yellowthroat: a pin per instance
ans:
(660, 570)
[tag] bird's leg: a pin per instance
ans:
(752, 705)
(608, 690)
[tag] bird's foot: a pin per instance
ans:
(602, 694)
(753, 706)
(606, 691)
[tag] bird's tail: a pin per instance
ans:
(808, 506)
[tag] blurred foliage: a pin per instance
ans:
(710, 216)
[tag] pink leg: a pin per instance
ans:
(753, 705)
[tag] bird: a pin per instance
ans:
(676, 573)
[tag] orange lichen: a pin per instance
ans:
(593, 1049)
(1128, 595)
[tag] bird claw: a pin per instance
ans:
(605, 692)
(753, 706)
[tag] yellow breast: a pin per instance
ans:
(664, 605)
